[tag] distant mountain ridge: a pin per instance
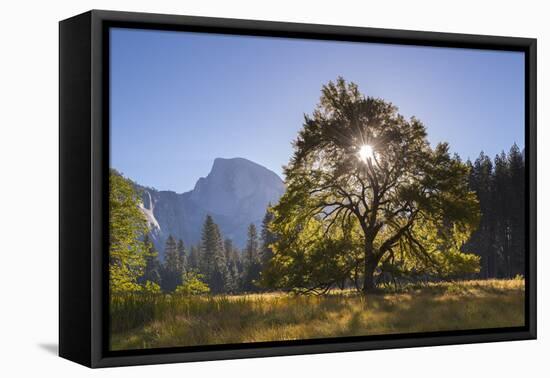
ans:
(235, 193)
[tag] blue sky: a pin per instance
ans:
(179, 100)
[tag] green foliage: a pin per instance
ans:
(341, 211)
(312, 260)
(234, 268)
(171, 257)
(128, 226)
(192, 284)
(151, 288)
(439, 254)
(268, 237)
(213, 264)
(193, 261)
(252, 260)
(152, 271)
(174, 264)
(181, 257)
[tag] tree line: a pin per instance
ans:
(500, 237)
(215, 261)
(215, 265)
(368, 201)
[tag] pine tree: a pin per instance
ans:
(171, 251)
(213, 264)
(517, 213)
(171, 276)
(482, 240)
(181, 263)
(228, 249)
(268, 238)
(252, 260)
(234, 274)
(502, 198)
(152, 269)
(193, 262)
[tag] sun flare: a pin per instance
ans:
(365, 153)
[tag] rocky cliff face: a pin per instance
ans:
(236, 193)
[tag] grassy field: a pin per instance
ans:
(168, 321)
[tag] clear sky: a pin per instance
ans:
(179, 100)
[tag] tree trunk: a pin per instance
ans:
(370, 266)
(368, 285)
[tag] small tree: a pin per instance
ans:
(252, 260)
(192, 284)
(151, 288)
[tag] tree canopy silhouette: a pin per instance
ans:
(366, 191)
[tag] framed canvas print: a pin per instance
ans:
(233, 188)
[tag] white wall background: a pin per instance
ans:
(29, 188)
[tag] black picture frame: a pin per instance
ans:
(83, 180)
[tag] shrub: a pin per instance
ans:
(192, 285)
(151, 288)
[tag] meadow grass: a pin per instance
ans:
(154, 321)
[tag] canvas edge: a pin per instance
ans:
(74, 189)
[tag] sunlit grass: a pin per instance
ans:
(168, 321)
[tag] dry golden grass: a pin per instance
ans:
(168, 321)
